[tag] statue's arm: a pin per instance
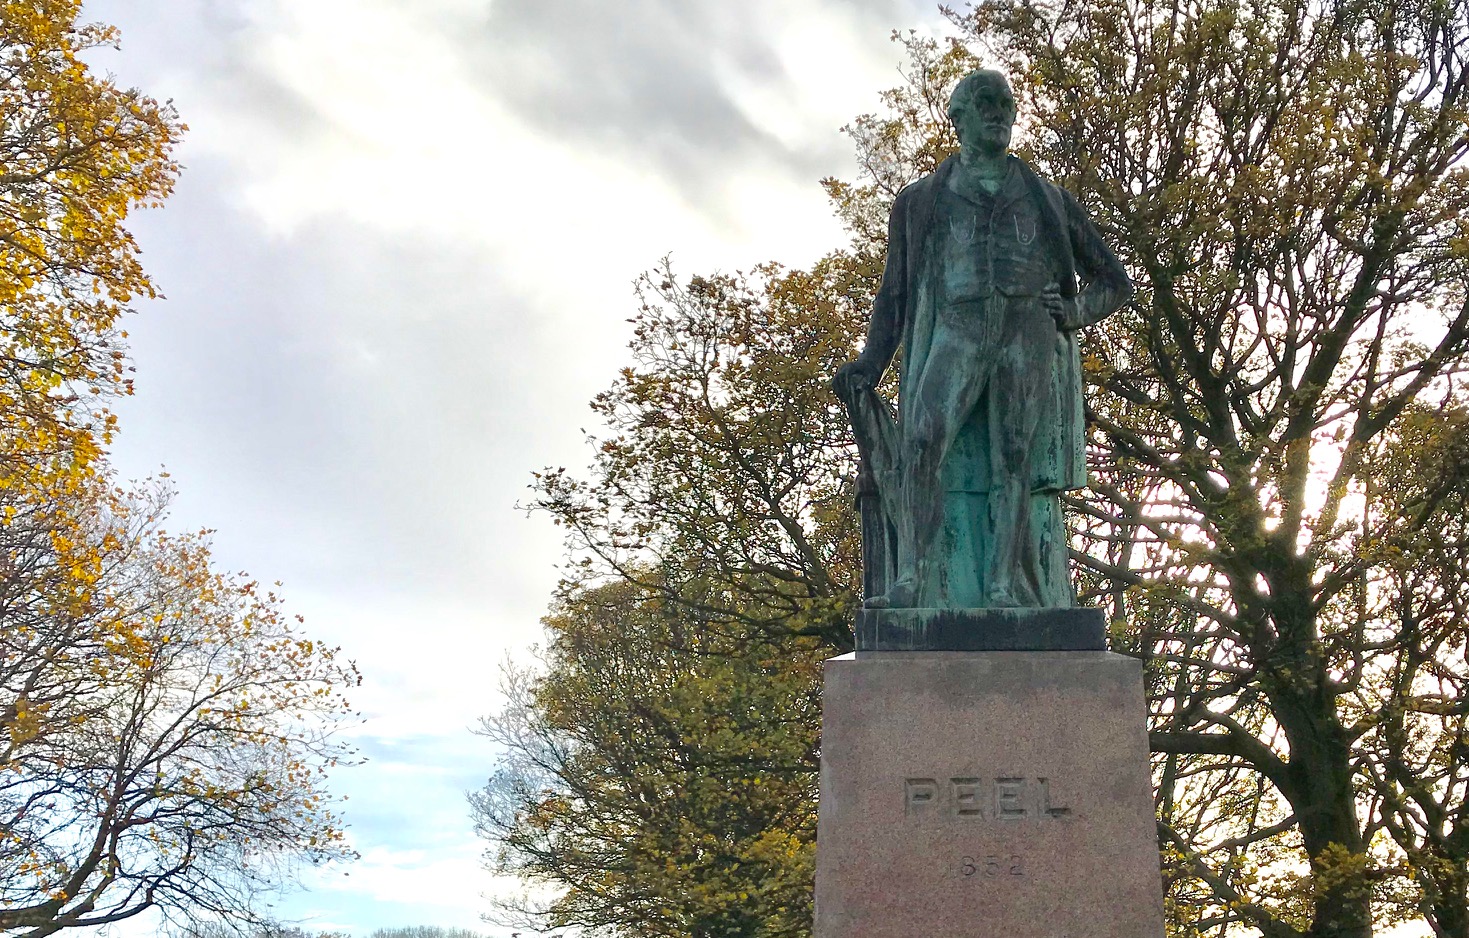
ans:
(1106, 285)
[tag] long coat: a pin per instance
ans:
(1064, 246)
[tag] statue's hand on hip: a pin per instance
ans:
(1063, 309)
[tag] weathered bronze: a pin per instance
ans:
(990, 272)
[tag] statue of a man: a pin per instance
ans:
(990, 270)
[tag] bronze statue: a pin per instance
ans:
(990, 271)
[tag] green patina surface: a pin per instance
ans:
(990, 272)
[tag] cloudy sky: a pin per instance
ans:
(397, 266)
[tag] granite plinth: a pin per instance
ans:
(981, 630)
(986, 795)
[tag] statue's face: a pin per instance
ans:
(986, 120)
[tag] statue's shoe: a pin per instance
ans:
(901, 595)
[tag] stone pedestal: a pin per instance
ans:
(981, 630)
(986, 795)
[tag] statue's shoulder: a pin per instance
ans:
(921, 189)
(926, 181)
(914, 189)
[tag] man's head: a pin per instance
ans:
(982, 109)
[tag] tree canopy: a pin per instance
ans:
(78, 154)
(660, 776)
(167, 729)
(164, 728)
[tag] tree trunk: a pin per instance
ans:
(1320, 792)
(1449, 901)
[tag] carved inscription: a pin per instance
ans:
(992, 866)
(919, 793)
(995, 798)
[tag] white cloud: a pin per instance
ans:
(388, 888)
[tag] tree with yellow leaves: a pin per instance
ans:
(164, 729)
(659, 778)
(77, 154)
(659, 771)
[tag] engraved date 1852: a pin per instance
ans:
(992, 866)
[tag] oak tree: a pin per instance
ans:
(660, 779)
(660, 767)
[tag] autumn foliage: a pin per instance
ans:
(665, 772)
(164, 728)
(167, 728)
(78, 153)
(661, 771)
